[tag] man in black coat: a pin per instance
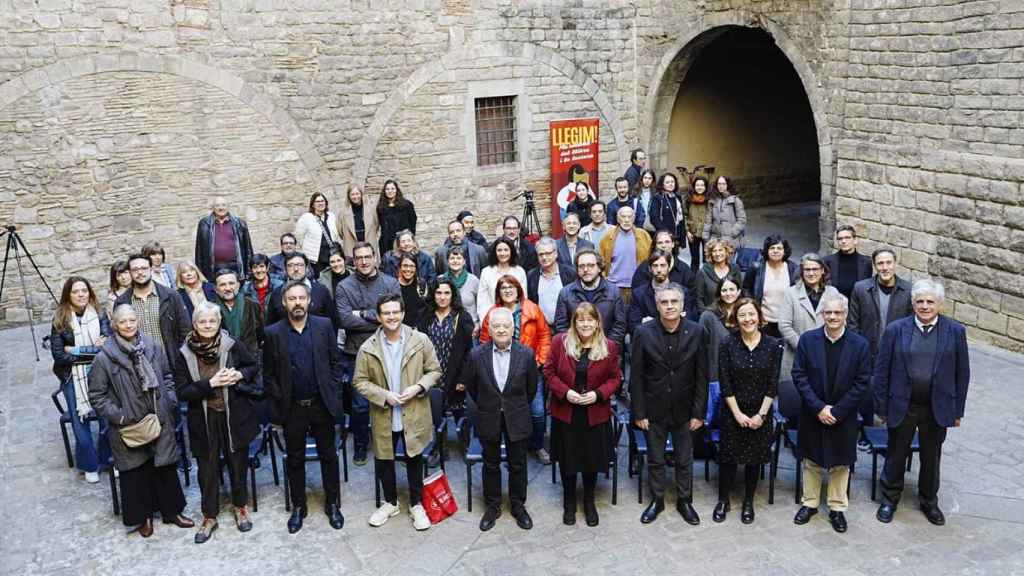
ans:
(525, 253)
(501, 378)
(302, 376)
(659, 273)
(876, 303)
(222, 241)
(847, 266)
(161, 313)
(669, 391)
(590, 286)
(832, 372)
(321, 304)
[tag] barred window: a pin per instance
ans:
(496, 131)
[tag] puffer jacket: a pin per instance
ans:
(533, 333)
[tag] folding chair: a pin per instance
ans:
(311, 455)
(613, 462)
(878, 444)
(473, 450)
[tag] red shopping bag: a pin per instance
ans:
(438, 500)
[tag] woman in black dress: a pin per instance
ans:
(748, 371)
(414, 290)
(582, 374)
(394, 212)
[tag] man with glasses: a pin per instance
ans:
(320, 304)
(160, 311)
(477, 254)
(591, 287)
(278, 275)
(527, 256)
(355, 300)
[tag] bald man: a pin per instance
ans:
(222, 241)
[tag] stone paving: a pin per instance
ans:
(57, 524)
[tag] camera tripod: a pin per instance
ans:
(531, 229)
(15, 244)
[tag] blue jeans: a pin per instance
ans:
(537, 414)
(88, 457)
(360, 409)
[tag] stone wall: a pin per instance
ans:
(118, 119)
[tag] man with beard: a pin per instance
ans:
(591, 287)
(301, 372)
(320, 298)
(160, 311)
(242, 316)
(356, 300)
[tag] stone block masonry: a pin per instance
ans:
(119, 120)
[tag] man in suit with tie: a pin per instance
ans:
(501, 378)
(832, 372)
(302, 375)
(920, 385)
(669, 389)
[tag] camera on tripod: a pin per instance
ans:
(531, 229)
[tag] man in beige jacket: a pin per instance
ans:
(394, 370)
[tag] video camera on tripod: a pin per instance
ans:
(531, 229)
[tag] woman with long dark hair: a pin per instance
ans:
(645, 190)
(767, 281)
(394, 212)
(667, 207)
(414, 289)
(501, 260)
(316, 232)
(80, 327)
(120, 281)
(726, 218)
(450, 329)
(696, 215)
(581, 204)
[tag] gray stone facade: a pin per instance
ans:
(120, 119)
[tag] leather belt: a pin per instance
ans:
(305, 403)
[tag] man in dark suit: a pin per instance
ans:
(321, 304)
(302, 375)
(669, 390)
(501, 378)
(570, 243)
(846, 266)
(920, 385)
(876, 303)
(832, 372)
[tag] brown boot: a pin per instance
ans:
(146, 529)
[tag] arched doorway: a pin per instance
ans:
(732, 99)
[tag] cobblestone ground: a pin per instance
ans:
(57, 524)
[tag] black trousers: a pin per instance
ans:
(657, 435)
(919, 417)
(727, 477)
(516, 471)
(209, 467)
(319, 422)
(569, 489)
(148, 489)
(696, 252)
(385, 470)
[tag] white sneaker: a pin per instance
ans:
(382, 514)
(419, 517)
(92, 477)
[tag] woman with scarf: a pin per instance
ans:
(130, 387)
(80, 327)
(581, 204)
(466, 284)
(316, 231)
(696, 214)
(217, 377)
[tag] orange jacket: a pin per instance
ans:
(534, 332)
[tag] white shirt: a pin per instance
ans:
(393, 352)
(547, 294)
(501, 359)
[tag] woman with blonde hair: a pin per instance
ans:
(193, 287)
(582, 374)
(718, 265)
(357, 220)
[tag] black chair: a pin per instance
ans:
(787, 418)
(260, 445)
(311, 455)
(878, 444)
(64, 421)
(115, 475)
(613, 462)
(440, 423)
(473, 450)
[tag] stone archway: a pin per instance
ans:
(678, 60)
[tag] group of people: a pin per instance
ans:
(353, 317)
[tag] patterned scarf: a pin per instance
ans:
(144, 372)
(86, 329)
(207, 350)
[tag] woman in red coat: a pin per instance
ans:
(582, 373)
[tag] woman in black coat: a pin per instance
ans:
(394, 213)
(748, 372)
(450, 329)
(216, 375)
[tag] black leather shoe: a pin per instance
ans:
(721, 510)
(656, 507)
(295, 522)
(490, 517)
(334, 516)
(686, 510)
(838, 521)
(885, 513)
(747, 514)
(803, 515)
(523, 519)
(934, 515)
(590, 513)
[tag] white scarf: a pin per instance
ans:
(87, 333)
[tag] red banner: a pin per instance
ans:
(574, 155)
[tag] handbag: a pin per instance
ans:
(142, 432)
(438, 500)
